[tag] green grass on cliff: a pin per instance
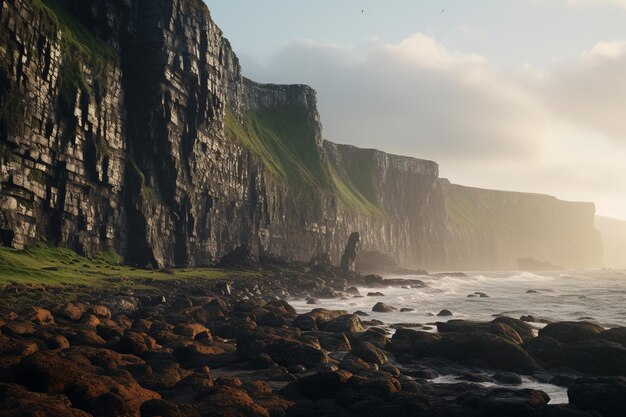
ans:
(354, 182)
(60, 267)
(486, 210)
(284, 140)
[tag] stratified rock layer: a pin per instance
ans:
(127, 125)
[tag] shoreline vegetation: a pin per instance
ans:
(103, 339)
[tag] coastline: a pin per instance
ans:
(235, 347)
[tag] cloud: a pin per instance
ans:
(416, 92)
(619, 3)
(583, 3)
(559, 131)
(591, 92)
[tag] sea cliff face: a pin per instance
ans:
(127, 125)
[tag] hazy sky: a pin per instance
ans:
(525, 95)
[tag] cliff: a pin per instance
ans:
(127, 125)
(613, 234)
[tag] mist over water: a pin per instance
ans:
(597, 296)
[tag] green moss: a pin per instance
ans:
(37, 176)
(12, 111)
(148, 193)
(6, 154)
(55, 266)
(285, 141)
(354, 183)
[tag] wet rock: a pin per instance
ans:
(353, 291)
(316, 318)
(570, 331)
(348, 323)
(361, 313)
(617, 335)
(605, 395)
(406, 310)
(348, 259)
(444, 313)
(495, 327)
(564, 411)
(335, 342)
(599, 357)
(369, 353)
(375, 294)
(509, 378)
(383, 308)
(323, 384)
(503, 402)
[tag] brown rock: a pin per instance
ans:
(71, 311)
(40, 316)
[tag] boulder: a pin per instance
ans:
(241, 256)
(383, 308)
(40, 316)
(369, 353)
(617, 335)
(514, 403)
(348, 323)
(571, 331)
(605, 395)
(71, 311)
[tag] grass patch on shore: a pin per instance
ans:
(53, 266)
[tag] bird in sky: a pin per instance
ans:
(443, 10)
(362, 11)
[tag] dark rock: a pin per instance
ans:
(509, 378)
(240, 256)
(444, 313)
(348, 259)
(383, 308)
(375, 294)
(406, 310)
(605, 395)
(503, 402)
(617, 335)
(353, 291)
(348, 323)
(322, 260)
(369, 353)
(569, 331)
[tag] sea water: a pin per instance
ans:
(595, 296)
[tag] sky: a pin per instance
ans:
(522, 95)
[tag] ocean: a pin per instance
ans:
(598, 296)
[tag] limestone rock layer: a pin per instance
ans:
(127, 125)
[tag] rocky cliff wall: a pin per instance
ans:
(127, 124)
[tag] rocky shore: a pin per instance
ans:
(237, 348)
